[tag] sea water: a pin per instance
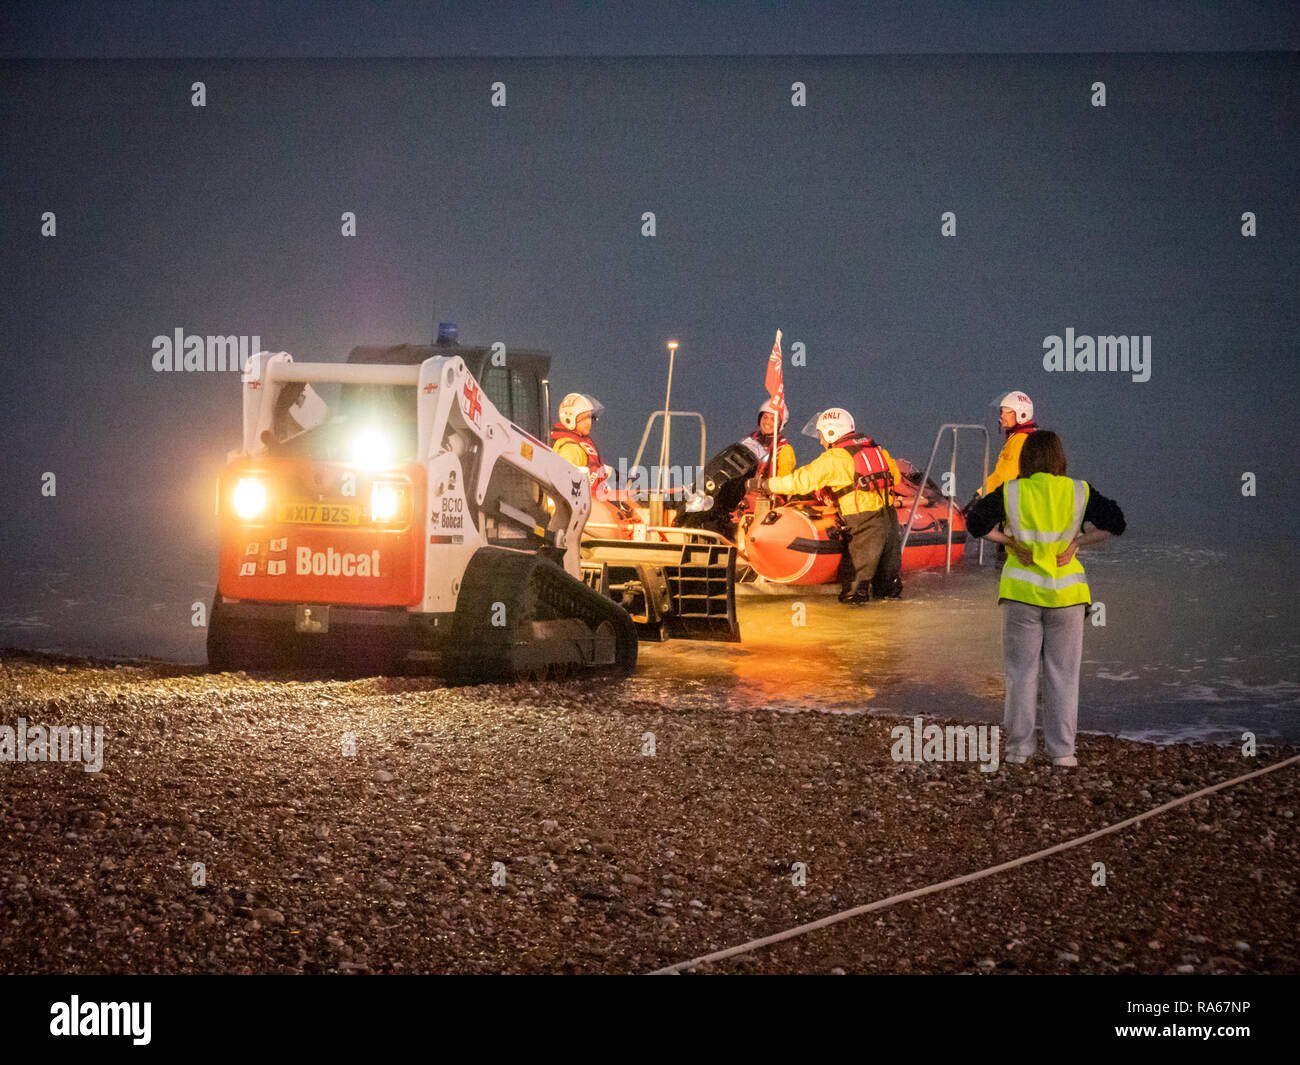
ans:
(1199, 642)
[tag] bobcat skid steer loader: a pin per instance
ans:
(412, 519)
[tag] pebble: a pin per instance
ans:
(516, 782)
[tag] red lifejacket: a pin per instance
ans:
(1028, 427)
(595, 468)
(766, 460)
(870, 469)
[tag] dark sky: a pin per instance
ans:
(522, 224)
(134, 29)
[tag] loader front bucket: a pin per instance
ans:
(681, 587)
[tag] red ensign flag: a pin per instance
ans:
(775, 385)
(775, 382)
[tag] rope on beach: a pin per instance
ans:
(844, 915)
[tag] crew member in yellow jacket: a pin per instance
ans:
(859, 475)
(764, 437)
(1016, 415)
(571, 439)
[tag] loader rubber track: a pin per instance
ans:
(519, 616)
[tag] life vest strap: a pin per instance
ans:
(880, 481)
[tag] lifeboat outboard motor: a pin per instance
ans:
(722, 488)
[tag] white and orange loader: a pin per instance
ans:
(416, 518)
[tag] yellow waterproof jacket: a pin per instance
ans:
(833, 469)
(581, 451)
(785, 460)
(572, 451)
(1008, 465)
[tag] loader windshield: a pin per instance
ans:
(369, 425)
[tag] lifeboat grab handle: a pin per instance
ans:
(649, 424)
(952, 481)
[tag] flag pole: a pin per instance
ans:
(776, 413)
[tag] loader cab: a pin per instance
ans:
(518, 389)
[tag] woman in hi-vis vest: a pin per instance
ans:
(1044, 591)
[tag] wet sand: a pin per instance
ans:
(613, 860)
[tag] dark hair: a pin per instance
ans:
(1043, 453)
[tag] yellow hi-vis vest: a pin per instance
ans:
(1045, 513)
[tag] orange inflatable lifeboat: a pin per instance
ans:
(796, 543)
(618, 515)
(801, 542)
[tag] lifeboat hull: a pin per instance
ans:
(801, 543)
(612, 518)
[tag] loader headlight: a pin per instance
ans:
(371, 448)
(387, 501)
(249, 498)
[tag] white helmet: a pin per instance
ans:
(770, 408)
(1021, 404)
(830, 424)
(574, 406)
